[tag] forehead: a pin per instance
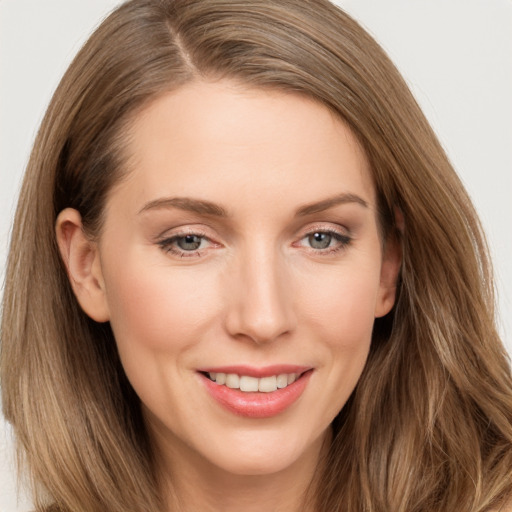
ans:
(209, 138)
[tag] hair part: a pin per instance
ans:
(429, 426)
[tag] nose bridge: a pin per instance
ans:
(261, 305)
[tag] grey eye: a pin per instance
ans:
(320, 240)
(189, 242)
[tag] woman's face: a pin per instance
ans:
(243, 246)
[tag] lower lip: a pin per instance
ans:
(257, 405)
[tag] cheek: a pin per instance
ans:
(338, 315)
(158, 317)
(347, 324)
(342, 303)
(155, 309)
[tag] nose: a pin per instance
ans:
(260, 298)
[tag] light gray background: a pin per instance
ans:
(455, 54)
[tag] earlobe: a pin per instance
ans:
(82, 261)
(390, 269)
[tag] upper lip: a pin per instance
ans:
(258, 372)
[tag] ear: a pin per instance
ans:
(82, 260)
(390, 268)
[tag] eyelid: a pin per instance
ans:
(182, 230)
(342, 235)
(167, 239)
(327, 227)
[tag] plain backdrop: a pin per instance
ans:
(455, 54)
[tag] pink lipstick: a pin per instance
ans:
(256, 392)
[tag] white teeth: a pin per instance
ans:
(282, 380)
(268, 384)
(248, 383)
(232, 380)
(252, 384)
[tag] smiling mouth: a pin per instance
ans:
(256, 392)
(250, 384)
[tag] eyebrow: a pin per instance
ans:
(187, 204)
(330, 202)
(203, 207)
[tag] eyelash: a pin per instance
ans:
(168, 245)
(343, 241)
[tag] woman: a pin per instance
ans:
(243, 274)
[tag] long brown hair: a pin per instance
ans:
(429, 425)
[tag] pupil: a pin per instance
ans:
(189, 242)
(320, 240)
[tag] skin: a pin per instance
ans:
(258, 290)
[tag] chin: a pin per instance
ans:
(264, 455)
(256, 464)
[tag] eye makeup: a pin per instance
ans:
(193, 243)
